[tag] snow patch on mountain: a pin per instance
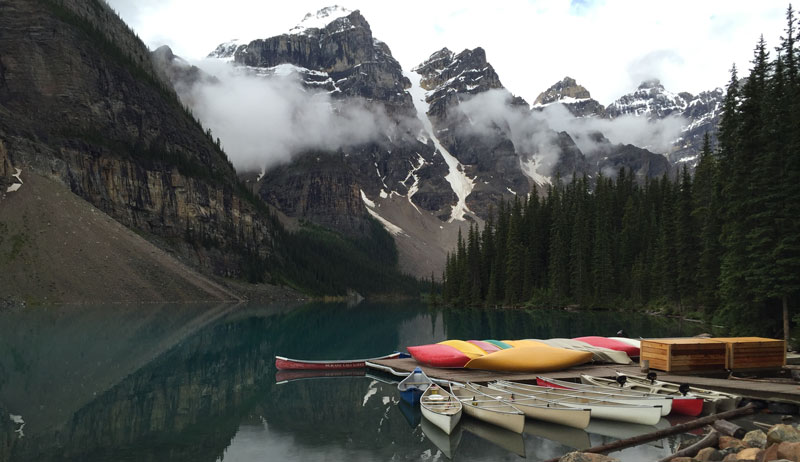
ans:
(321, 19)
(392, 228)
(462, 185)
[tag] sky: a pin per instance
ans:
(608, 46)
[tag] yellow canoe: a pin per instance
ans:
(471, 350)
(525, 343)
(530, 359)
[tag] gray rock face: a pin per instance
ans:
(700, 113)
(574, 97)
(178, 72)
(104, 124)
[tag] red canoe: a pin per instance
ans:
(611, 344)
(283, 363)
(438, 355)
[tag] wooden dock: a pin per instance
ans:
(764, 390)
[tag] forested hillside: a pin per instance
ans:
(724, 243)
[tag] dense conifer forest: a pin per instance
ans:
(723, 243)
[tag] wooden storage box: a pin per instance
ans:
(684, 354)
(754, 352)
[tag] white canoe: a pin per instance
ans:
(441, 408)
(600, 408)
(599, 354)
(724, 401)
(489, 409)
(688, 405)
(446, 443)
(621, 395)
(540, 409)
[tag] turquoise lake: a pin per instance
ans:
(198, 383)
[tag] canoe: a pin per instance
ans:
(600, 408)
(540, 409)
(499, 344)
(488, 409)
(412, 387)
(283, 363)
(724, 401)
(530, 359)
(524, 343)
(629, 341)
(469, 349)
(437, 355)
(686, 405)
(599, 354)
(286, 376)
(506, 439)
(624, 396)
(440, 408)
(485, 346)
(447, 443)
(611, 344)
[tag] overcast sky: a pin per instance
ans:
(608, 46)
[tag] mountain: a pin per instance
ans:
(574, 97)
(455, 143)
(87, 110)
(699, 114)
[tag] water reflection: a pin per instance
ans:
(198, 382)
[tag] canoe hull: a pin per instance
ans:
(530, 359)
(438, 355)
(444, 413)
(691, 406)
(283, 364)
(622, 396)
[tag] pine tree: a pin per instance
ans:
(685, 241)
(706, 214)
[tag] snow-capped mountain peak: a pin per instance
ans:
(320, 19)
(650, 100)
(226, 50)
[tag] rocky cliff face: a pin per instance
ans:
(699, 114)
(81, 102)
(574, 97)
(333, 51)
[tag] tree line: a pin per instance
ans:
(723, 243)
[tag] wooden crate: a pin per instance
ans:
(754, 352)
(684, 354)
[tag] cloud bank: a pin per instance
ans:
(534, 133)
(264, 121)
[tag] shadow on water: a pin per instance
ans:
(183, 382)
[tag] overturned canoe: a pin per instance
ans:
(485, 346)
(438, 355)
(469, 349)
(599, 354)
(530, 359)
(499, 344)
(611, 344)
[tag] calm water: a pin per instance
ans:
(198, 383)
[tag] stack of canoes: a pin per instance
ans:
(528, 355)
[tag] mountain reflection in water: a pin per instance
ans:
(198, 383)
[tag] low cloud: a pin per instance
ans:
(264, 121)
(534, 133)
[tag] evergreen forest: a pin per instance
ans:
(722, 243)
